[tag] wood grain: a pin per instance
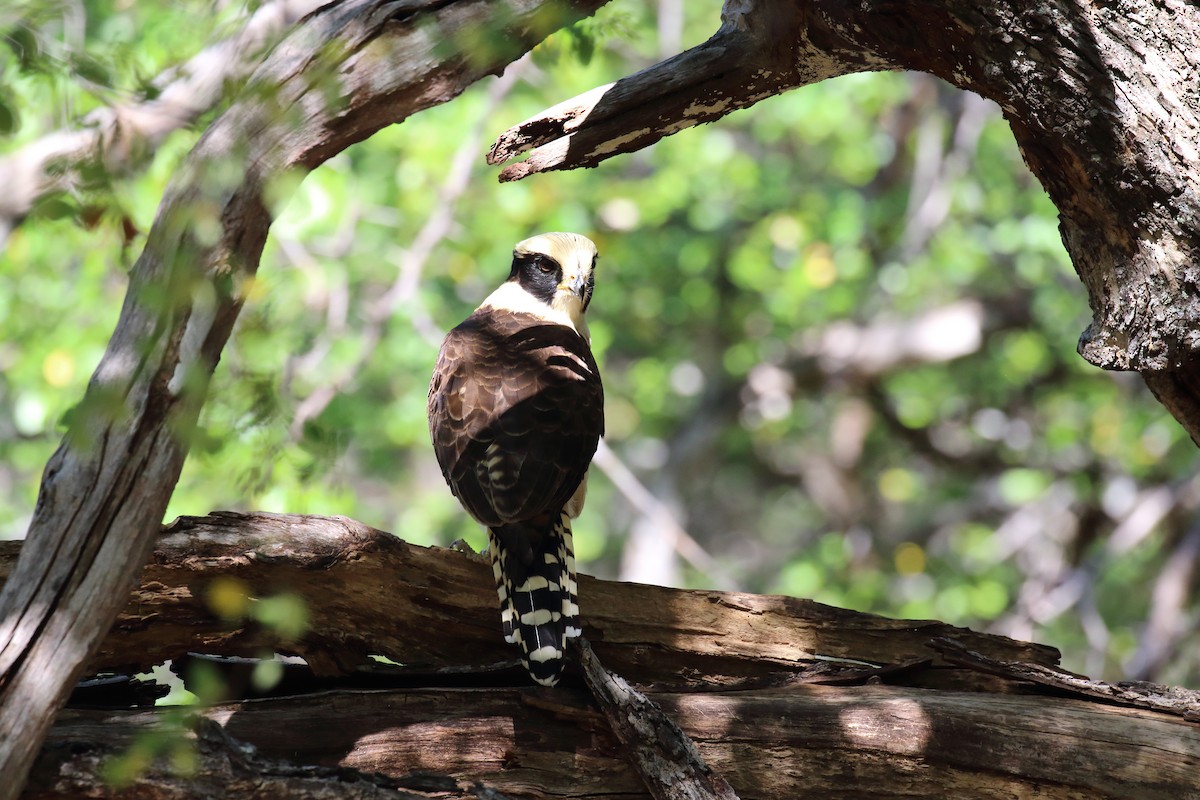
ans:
(816, 742)
(369, 593)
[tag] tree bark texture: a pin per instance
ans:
(811, 742)
(370, 593)
(347, 70)
(840, 705)
(1103, 99)
(78, 757)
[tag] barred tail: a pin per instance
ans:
(539, 604)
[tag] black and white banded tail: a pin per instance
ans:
(534, 569)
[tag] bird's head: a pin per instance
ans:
(558, 269)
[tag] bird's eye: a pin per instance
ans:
(545, 265)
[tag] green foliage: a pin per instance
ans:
(579, 41)
(170, 740)
(968, 490)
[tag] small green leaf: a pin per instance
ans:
(55, 207)
(286, 614)
(585, 44)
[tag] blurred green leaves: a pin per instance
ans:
(967, 490)
(284, 614)
(169, 741)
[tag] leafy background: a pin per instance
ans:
(837, 335)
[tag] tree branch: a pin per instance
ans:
(343, 571)
(662, 755)
(734, 69)
(1115, 146)
(122, 136)
(403, 290)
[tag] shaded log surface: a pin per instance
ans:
(76, 760)
(783, 698)
(788, 742)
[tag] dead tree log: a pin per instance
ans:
(370, 593)
(1103, 99)
(783, 698)
(347, 70)
(812, 742)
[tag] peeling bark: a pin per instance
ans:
(781, 698)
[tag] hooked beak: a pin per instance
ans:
(573, 283)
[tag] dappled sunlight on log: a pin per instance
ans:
(898, 726)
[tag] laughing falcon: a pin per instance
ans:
(516, 410)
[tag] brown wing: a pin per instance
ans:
(516, 409)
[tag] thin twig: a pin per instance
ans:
(1169, 620)
(650, 506)
(403, 290)
(936, 173)
(122, 135)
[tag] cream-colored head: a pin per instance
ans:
(552, 275)
(575, 257)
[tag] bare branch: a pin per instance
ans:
(1114, 149)
(657, 512)
(122, 136)
(887, 344)
(744, 62)
(935, 172)
(1169, 699)
(1169, 621)
(662, 755)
